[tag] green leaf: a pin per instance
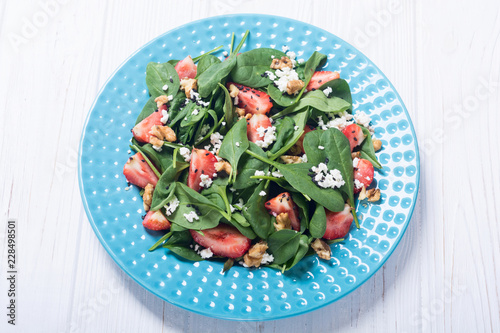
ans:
(205, 63)
(300, 119)
(367, 150)
(257, 214)
(146, 158)
(247, 167)
(303, 205)
(227, 265)
(184, 252)
(317, 226)
(302, 250)
(340, 89)
(198, 58)
(147, 110)
(213, 75)
(227, 107)
(241, 223)
(279, 97)
(283, 245)
(285, 130)
(251, 65)
(159, 75)
(317, 100)
(234, 144)
(316, 60)
(193, 119)
(209, 213)
(161, 159)
(163, 192)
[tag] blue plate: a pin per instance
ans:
(246, 294)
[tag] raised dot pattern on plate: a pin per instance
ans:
(257, 294)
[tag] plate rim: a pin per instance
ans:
(232, 317)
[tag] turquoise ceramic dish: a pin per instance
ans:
(241, 293)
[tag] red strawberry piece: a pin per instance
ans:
(138, 172)
(223, 240)
(202, 163)
(355, 135)
(283, 203)
(300, 142)
(320, 78)
(155, 220)
(186, 68)
(257, 121)
(338, 223)
(142, 129)
(252, 100)
(363, 173)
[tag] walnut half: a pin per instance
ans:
(160, 100)
(282, 222)
(147, 197)
(322, 249)
(189, 85)
(373, 195)
(223, 166)
(281, 63)
(377, 145)
(294, 86)
(289, 159)
(255, 254)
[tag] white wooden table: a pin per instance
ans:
(443, 58)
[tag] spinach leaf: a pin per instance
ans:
(147, 110)
(302, 250)
(180, 238)
(164, 189)
(317, 100)
(213, 75)
(279, 97)
(160, 159)
(240, 222)
(251, 65)
(300, 119)
(227, 107)
(217, 194)
(285, 130)
(159, 75)
(367, 150)
(184, 252)
(183, 113)
(247, 167)
(227, 265)
(208, 213)
(256, 213)
(193, 119)
(316, 60)
(317, 226)
(206, 62)
(303, 205)
(234, 145)
(283, 245)
(146, 158)
(340, 88)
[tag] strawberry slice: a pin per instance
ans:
(257, 120)
(283, 203)
(363, 173)
(155, 220)
(202, 163)
(320, 78)
(138, 172)
(142, 129)
(300, 141)
(252, 100)
(338, 223)
(223, 240)
(186, 68)
(355, 135)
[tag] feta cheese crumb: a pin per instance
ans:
(206, 182)
(355, 162)
(362, 118)
(164, 88)
(206, 253)
(204, 129)
(295, 128)
(337, 120)
(271, 75)
(259, 173)
(232, 208)
(301, 61)
(164, 116)
(223, 123)
(321, 148)
(277, 174)
(262, 193)
(170, 97)
(225, 54)
(157, 148)
(268, 134)
(358, 184)
(191, 216)
(171, 206)
(237, 144)
(327, 178)
(185, 153)
(232, 189)
(195, 112)
(304, 158)
(327, 91)
(216, 141)
(127, 188)
(285, 75)
(266, 259)
(284, 48)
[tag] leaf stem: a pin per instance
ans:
(353, 210)
(274, 179)
(285, 148)
(174, 160)
(263, 159)
(240, 45)
(160, 241)
(151, 165)
(198, 58)
(232, 44)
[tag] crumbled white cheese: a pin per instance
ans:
(271, 75)
(362, 118)
(327, 91)
(301, 61)
(191, 216)
(206, 253)
(295, 128)
(321, 148)
(285, 75)
(355, 162)
(337, 120)
(327, 178)
(157, 148)
(214, 175)
(164, 88)
(284, 48)
(223, 123)
(225, 54)
(268, 136)
(259, 173)
(195, 112)
(170, 97)
(171, 206)
(304, 158)
(215, 141)
(164, 116)
(277, 174)
(262, 193)
(232, 189)
(206, 181)
(358, 184)
(185, 153)
(204, 129)
(267, 259)
(232, 208)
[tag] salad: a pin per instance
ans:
(255, 157)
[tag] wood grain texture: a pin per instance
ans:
(441, 56)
